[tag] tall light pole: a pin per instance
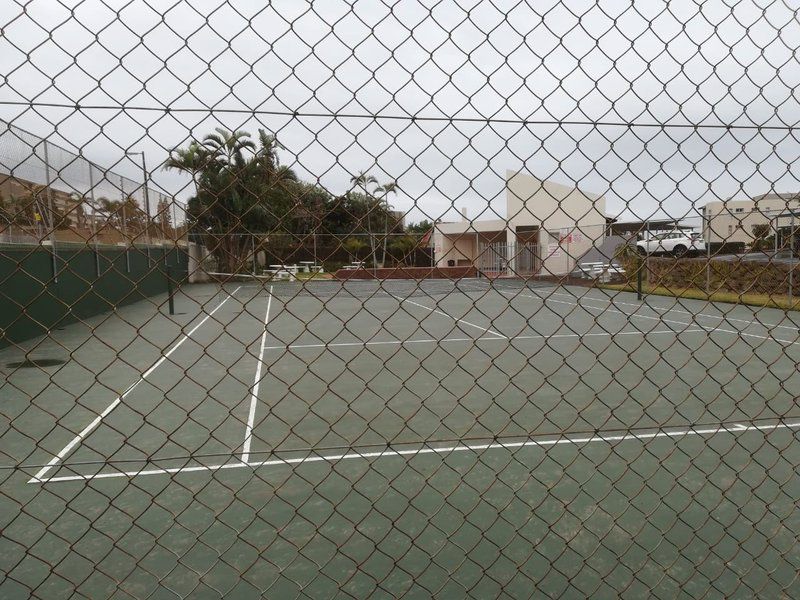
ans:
(146, 195)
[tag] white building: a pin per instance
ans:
(733, 221)
(548, 227)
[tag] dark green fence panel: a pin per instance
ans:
(87, 282)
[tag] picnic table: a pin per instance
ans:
(599, 270)
(283, 271)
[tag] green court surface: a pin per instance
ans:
(355, 439)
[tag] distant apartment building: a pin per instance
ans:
(36, 199)
(738, 221)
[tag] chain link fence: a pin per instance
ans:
(487, 299)
(49, 193)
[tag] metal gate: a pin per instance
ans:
(517, 259)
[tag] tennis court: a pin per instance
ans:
(450, 438)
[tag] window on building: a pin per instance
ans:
(730, 229)
(739, 210)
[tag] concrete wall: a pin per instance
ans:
(196, 254)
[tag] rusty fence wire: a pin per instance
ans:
(399, 299)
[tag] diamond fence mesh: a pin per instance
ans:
(410, 299)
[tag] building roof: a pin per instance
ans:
(788, 196)
(783, 196)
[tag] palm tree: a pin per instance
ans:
(229, 146)
(363, 180)
(241, 188)
(386, 189)
(194, 159)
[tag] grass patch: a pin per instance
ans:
(750, 299)
(308, 276)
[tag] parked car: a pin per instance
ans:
(676, 243)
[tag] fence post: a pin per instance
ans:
(125, 225)
(791, 258)
(708, 262)
(51, 212)
(170, 290)
(639, 280)
(94, 222)
(646, 261)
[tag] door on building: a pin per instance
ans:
(527, 261)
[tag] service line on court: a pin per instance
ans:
(440, 312)
(665, 309)
(676, 433)
(660, 319)
(481, 339)
(251, 415)
(99, 418)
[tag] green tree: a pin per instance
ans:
(401, 248)
(363, 181)
(419, 228)
(123, 215)
(241, 190)
(33, 210)
(383, 191)
(19, 211)
(164, 217)
(373, 198)
(762, 240)
(355, 247)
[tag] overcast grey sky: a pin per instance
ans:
(476, 70)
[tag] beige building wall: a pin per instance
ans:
(459, 241)
(570, 221)
(733, 220)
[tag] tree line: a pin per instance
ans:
(243, 193)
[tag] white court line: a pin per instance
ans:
(662, 320)
(664, 309)
(480, 339)
(437, 311)
(736, 428)
(251, 416)
(98, 419)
